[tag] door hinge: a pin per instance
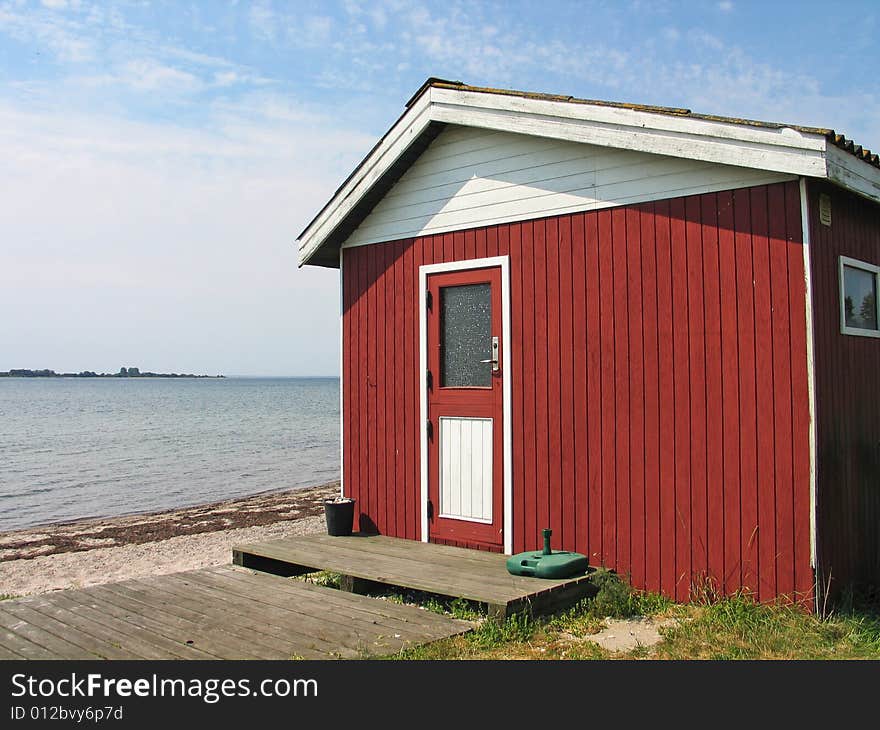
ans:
(429, 379)
(429, 428)
(429, 299)
(430, 510)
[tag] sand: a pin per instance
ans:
(89, 552)
(627, 634)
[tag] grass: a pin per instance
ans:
(739, 628)
(322, 578)
(709, 628)
(727, 628)
(7, 596)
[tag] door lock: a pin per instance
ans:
(494, 358)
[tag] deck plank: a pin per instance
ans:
(307, 609)
(241, 626)
(478, 585)
(54, 635)
(21, 648)
(325, 636)
(126, 624)
(394, 571)
(381, 611)
(177, 626)
(207, 635)
(442, 569)
(213, 613)
(301, 597)
(100, 626)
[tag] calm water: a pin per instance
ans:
(74, 448)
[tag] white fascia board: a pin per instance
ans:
(852, 173)
(402, 134)
(634, 118)
(782, 150)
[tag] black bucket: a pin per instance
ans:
(340, 516)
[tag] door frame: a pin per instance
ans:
(507, 371)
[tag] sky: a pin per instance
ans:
(159, 159)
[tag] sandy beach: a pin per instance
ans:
(88, 552)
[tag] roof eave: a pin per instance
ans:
(791, 149)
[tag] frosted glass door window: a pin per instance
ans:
(466, 336)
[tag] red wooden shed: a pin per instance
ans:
(654, 331)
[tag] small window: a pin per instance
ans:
(859, 313)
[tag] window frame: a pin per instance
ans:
(871, 269)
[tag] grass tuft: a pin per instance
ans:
(322, 578)
(617, 599)
(740, 628)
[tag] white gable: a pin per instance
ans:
(596, 146)
(472, 177)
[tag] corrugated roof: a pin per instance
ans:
(838, 140)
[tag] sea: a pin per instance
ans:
(72, 448)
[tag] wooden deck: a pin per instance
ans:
(441, 569)
(213, 613)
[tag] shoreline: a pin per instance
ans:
(186, 508)
(79, 553)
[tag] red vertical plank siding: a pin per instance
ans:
(348, 376)
(782, 408)
(666, 378)
(660, 414)
(591, 333)
(346, 416)
(400, 411)
(714, 425)
(567, 494)
(697, 388)
(492, 240)
(731, 564)
(458, 246)
(579, 520)
(554, 367)
(847, 375)
(470, 245)
(682, 394)
(620, 320)
(542, 380)
(378, 385)
(480, 246)
(633, 247)
(745, 302)
(529, 407)
(409, 486)
(651, 379)
(607, 317)
(365, 465)
(511, 241)
(764, 385)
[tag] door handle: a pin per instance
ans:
(494, 358)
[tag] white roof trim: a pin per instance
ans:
(852, 173)
(783, 150)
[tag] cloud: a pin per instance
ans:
(65, 37)
(263, 21)
(149, 75)
(725, 6)
(151, 237)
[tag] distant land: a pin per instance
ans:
(123, 373)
